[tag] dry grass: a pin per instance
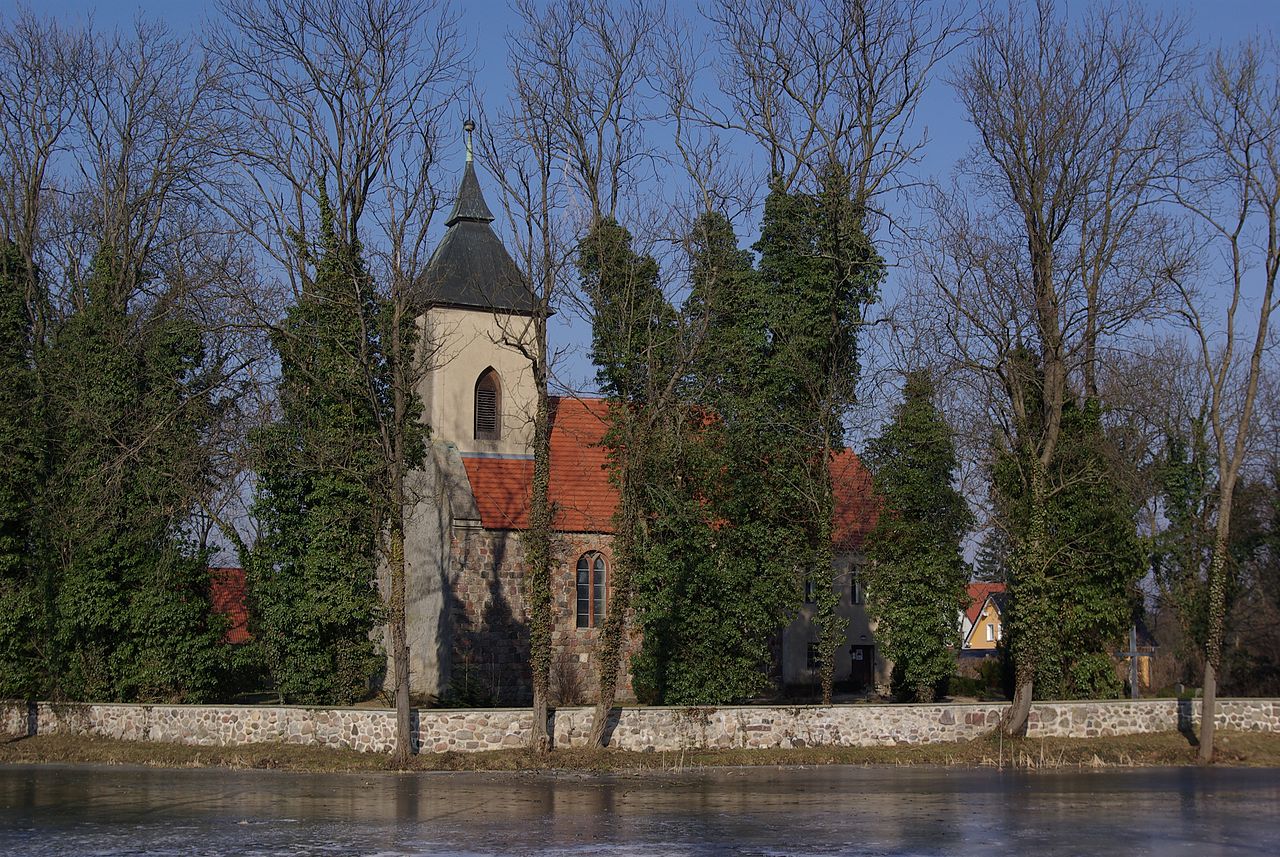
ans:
(1171, 748)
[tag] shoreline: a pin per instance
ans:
(1164, 749)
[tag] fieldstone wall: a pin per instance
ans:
(490, 635)
(642, 729)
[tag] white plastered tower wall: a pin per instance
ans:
(462, 344)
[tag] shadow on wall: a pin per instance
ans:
(1186, 725)
(490, 657)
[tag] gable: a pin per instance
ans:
(978, 594)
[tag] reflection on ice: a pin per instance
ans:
(108, 811)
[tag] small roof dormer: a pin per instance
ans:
(471, 269)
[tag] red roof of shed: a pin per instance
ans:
(227, 591)
(585, 498)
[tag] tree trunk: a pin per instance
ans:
(539, 560)
(400, 642)
(1015, 717)
(1213, 639)
(1028, 604)
(609, 647)
(832, 632)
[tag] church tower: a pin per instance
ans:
(478, 392)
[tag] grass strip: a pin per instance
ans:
(1252, 749)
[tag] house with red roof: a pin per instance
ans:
(468, 635)
(982, 624)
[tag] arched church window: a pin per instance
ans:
(488, 403)
(592, 581)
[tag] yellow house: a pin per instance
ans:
(985, 627)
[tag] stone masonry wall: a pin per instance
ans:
(490, 647)
(643, 729)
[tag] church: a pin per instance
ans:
(468, 637)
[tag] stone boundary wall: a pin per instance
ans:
(643, 729)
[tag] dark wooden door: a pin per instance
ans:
(862, 672)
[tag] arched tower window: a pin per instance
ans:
(592, 580)
(488, 402)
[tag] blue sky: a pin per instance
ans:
(486, 23)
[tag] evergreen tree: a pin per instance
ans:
(916, 576)
(21, 450)
(127, 404)
(991, 564)
(312, 571)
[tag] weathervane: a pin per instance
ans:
(469, 126)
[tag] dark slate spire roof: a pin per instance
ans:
(471, 268)
(470, 204)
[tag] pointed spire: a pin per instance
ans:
(470, 204)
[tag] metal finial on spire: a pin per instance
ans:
(469, 126)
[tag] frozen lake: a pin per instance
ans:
(49, 811)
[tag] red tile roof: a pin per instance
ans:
(978, 593)
(585, 498)
(580, 489)
(857, 509)
(227, 590)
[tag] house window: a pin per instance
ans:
(488, 402)
(809, 595)
(592, 580)
(991, 633)
(812, 657)
(858, 590)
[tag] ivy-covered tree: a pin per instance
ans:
(1182, 550)
(312, 571)
(917, 575)
(1086, 600)
(723, 530)
(636, 341)
(819, 271)
(21, 450)
(126, 388)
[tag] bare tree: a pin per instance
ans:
(1062, 244)
(812, 83)
(346, 98)
(565, 150)
(1233, 189)
(41, 64)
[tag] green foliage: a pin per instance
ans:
(1076, 607)
(311, 573)
(1182, 551)
(738, 506)
(127, 401)
(713, 570)
(632, 336)
(20, 477)
(916, 577)
(819, 271)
